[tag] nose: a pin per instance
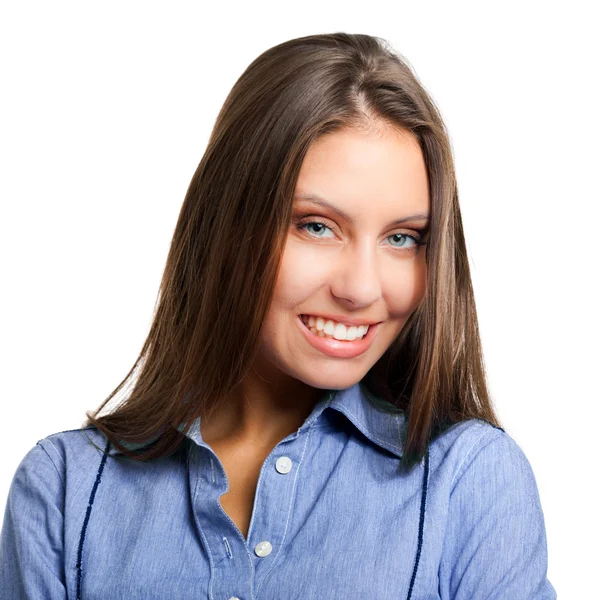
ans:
(356, 278)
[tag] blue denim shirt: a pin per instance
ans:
(335, 516)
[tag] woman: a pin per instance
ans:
(308, 417)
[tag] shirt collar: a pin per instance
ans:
(381, 422)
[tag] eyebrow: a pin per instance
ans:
(321, 202)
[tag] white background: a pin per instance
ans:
(105, 112)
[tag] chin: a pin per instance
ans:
(339, 378)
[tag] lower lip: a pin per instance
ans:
(337, 348)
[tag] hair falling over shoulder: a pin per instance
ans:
(204, 331)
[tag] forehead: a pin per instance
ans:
(357, 169)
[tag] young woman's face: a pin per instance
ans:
(362, 266)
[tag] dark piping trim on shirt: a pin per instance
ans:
(421, 521)
(87, 518)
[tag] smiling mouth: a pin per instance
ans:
(338, 348)
(335, 331)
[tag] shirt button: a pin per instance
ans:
(234, 598)
(263, 549)
(283, 465)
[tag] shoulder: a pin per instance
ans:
(64, 451)
(56, 464)
(478, 450)
(72, 444)
(494, 530)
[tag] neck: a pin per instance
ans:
(260, 412)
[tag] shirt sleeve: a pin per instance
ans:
(495, 545)
(31, 540)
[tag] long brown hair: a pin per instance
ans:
(214, 294)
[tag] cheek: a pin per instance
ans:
(299, 277)
(405, 287)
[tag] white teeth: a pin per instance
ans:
(329, 328)
(340, 332)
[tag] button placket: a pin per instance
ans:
(276, 495)
(229, 558)
(283, 465)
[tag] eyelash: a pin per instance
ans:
(301, 225)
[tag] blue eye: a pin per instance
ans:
(305, 226)
(403, 237)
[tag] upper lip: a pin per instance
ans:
(345, 320)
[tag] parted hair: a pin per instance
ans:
(205, 330)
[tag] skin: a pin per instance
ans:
(349, 268)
